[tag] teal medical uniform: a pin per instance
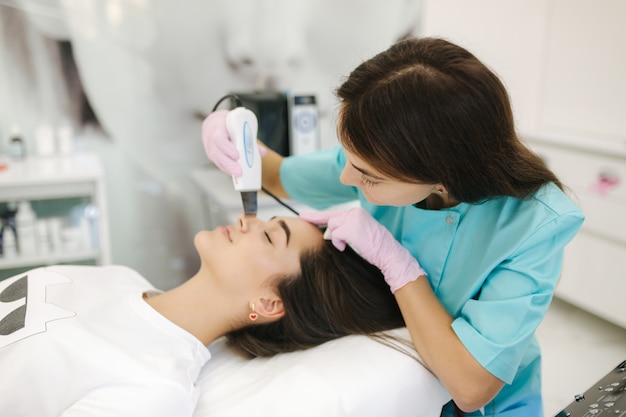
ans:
(493, 266)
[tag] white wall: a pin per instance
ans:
(585, 72)
(563, 61)
(149, 66)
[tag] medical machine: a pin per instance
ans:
(288, 124)
(605, 397)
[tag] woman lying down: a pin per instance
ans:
(101, 341)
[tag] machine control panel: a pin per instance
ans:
(605, 398)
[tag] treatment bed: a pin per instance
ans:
(353, 376)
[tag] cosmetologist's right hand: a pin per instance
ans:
(217, 144)
(357, 228)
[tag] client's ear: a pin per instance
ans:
(270, 306)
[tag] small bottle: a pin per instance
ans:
(25, 219)
(55, 231)
(91, 215)
(45, 141)
(42, 232)
(9, 243)
(17, 148)
(65, 138)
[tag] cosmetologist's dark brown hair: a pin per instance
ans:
(428, 111)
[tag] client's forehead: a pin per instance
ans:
(304, 235)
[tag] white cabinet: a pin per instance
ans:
(67, 194)
(594, 277)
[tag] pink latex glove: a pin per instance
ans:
(357, 228)
(218, 146)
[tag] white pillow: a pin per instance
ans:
(351, 376)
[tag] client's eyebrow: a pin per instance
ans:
(285, 228)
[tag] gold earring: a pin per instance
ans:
(253, 315)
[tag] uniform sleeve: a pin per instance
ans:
(313, 178)
(134, 400)
(498, 325)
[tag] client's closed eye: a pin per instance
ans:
(285, 229)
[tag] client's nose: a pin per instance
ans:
(246, 222)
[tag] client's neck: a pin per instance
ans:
(195, 307)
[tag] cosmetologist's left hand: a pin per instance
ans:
(357, 228)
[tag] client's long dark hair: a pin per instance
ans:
(336, 294)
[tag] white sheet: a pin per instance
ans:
(352, 376)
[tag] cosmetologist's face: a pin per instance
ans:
(379, 188)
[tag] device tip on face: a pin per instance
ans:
(249, 200)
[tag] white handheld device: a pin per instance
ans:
(242, 126)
